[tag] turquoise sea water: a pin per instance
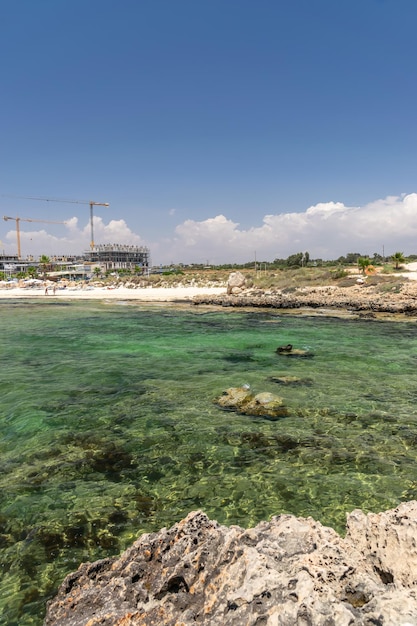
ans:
(108, 428)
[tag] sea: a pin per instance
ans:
(109, 427)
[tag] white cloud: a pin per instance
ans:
(75, 239)
(116, 231)
(326, 230)
(326, 209)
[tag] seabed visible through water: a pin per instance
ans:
(109, 428)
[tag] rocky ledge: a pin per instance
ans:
(289, 571)
(357, 298)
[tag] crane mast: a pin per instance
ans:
(90, 202)
(91, 219)
(24, 219)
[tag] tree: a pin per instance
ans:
(363, 263)
(97, 272)
(45, 263)
(295, 260)
(398, 258)
(352, 257)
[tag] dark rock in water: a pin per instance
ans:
(243, 401)
(288, 350)
(366, 315)
(239, 357)
(285, 442)
(350, 416)
(284, 572)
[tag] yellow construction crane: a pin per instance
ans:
(24, 219)
(90, 202)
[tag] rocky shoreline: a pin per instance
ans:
(362, 299)
(289, 571)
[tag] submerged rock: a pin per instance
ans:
(290, 380)
(266, 405)
(235, 397)
(243, 401)
(284, 572)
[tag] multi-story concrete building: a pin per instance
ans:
(119, 256)
(106, 257)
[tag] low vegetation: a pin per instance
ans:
(283, 279)
(296, 271)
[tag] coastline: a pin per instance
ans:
(357, 300)
(360, 298)
(147, 294)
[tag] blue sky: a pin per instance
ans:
(216, 129)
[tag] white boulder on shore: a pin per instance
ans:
(289, 571)
(235, 283)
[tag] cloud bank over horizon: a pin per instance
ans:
(326, 230)
(76, 241)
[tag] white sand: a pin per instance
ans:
(148, 294)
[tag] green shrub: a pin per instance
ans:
(340, 273)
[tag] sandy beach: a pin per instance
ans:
(358, 295)
(148, 294)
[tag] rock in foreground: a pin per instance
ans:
(289, 571)
(244, 402)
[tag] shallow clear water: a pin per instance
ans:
(108, 428)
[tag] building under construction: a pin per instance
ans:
(115, 256)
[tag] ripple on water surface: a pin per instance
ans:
(108, 428)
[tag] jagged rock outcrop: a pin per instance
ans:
(289, 571)
(356, 298)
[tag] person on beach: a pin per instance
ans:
(46, 289)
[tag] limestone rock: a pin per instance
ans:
(353, 299)
(235, 283)
(267, 405)
(291, 380)
(234, 397)
(241, 400)
(390, 539)
(286, 572)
